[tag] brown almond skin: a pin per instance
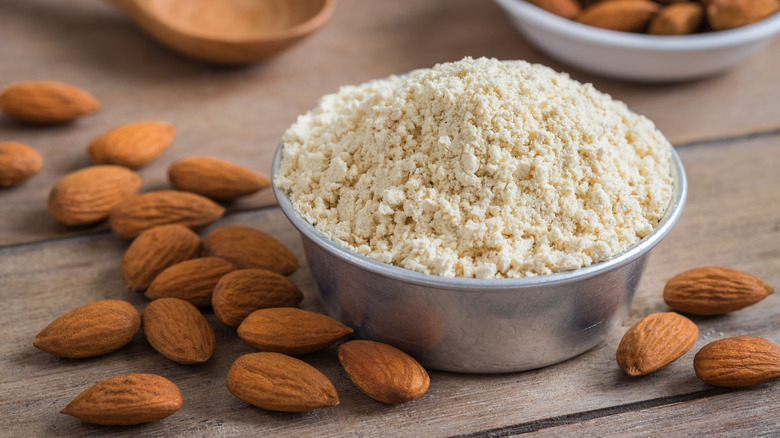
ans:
(383, 372)
(714, 290)
(247, 248)
(191, 280)
(155, 250)
(215, 178)
(132, 145)
(46, 102)
(738, 362)
(178, 331)
(139, 213)
(563, 8)
(241, 292)
(620, 15)
(654, 342)
(126, 399)
(18, 163)
(291, 331)
(277, 382)
(730, 14)
(88, 195)
(677, 19)
(94, 329)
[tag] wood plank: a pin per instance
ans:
(239, 114)
(737, 413)
(731, 219)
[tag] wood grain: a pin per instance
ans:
(239, 114)
(731, 219)
(734, 413)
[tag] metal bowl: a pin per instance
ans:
(478, 325)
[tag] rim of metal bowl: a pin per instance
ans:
(702, 41)
(673, 213)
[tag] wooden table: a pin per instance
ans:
(726, 129)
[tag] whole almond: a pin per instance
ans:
(247, 247)
(289, 330)
(654, 342)
(215, 178)
(141, 212)
(18, 163)
(677, 19)
(91, 330)
(88, 195)
(383, 372)
(126, 399)
(154, 250)
(738, 362)
(714, 291)
(620, 15)
(178, 331)
(729, 14)
(191, 280)
(278, 382)
(46, 101)
(564, 8)
(241, 292)
(132, 145)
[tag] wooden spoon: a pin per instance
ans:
(228, 31)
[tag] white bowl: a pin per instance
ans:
(638, 57)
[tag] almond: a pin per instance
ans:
(383, 372)
(241, 292)
(292, 331)
(215, 178)
(738, 362)
(247, 247)
(46, 101)
(677, 19)
(191, 280)
(132, 145)
(91, 330)
(564, 8)
(88, 195)
(654, 342)
(178, 331)
(620, 15)
(155, 250)
(714, 291)
(18, 163)
(126, 399)
(729, 14)
(278, 382)
(141, 212)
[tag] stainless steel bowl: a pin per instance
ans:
(478, 325)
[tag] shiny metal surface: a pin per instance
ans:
(476, 325)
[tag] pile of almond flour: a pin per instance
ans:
(478, 168)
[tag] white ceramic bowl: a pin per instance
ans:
(637, 57)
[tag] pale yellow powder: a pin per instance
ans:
(478, 168)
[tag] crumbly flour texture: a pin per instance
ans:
(478, 168)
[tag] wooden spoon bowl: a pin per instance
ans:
(229, 32)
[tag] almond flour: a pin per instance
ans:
(478, 168)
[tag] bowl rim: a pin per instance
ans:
(702, 41)
(307, 230)
(310, 25)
